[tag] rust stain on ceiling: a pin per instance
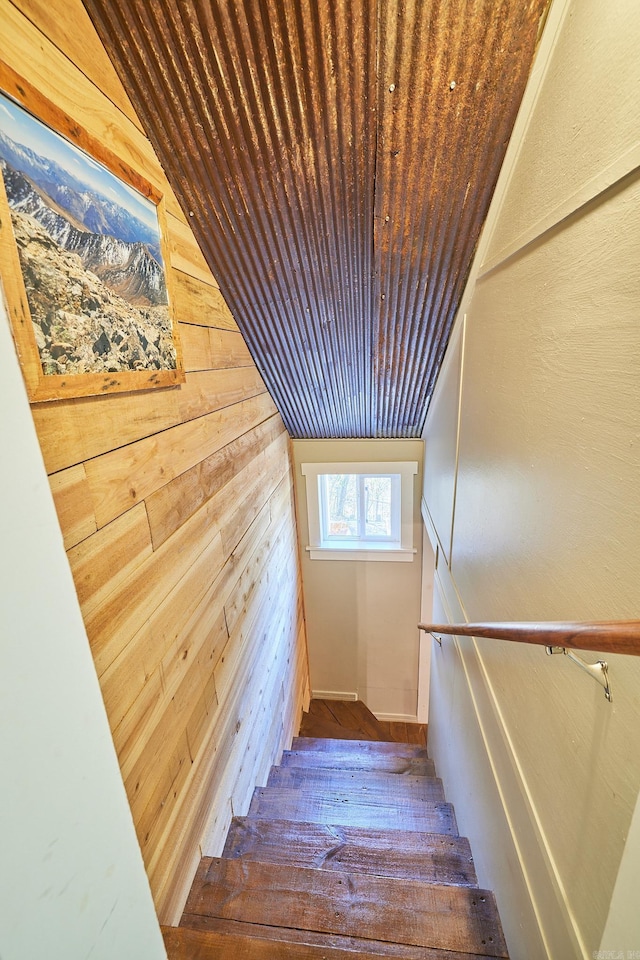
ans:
(336, 160)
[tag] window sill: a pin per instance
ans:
(382, 553)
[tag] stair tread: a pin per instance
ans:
(283, 803)
(381, 763)
(433, 858)
(390, 910)
(364, 747)
(262, 942)
(370, 786)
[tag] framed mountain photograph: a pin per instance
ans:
(82, 258)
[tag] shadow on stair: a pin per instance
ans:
(349, 851)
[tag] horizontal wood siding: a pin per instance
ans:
(177, 515)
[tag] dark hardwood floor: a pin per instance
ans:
(352, 720)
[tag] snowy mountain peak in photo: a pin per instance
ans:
(84, 206)
(127, 268)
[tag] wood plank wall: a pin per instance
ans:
(177, 515)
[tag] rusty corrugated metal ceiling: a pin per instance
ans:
(336, 159)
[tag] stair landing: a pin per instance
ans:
(352, 720)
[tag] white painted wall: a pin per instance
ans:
(362, 616)
(544, 773)
(623, 922)
(72, 881)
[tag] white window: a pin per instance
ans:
(360, 511)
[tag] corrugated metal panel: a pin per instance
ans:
(334, 176)
(451, 80)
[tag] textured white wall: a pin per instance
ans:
(623, 923)
(547, 511)
(362, 616)
(72, 881)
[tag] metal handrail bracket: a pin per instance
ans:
(616, 636)
(598, 670)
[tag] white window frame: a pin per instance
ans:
(398, 548)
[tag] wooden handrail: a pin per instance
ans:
(612, 636)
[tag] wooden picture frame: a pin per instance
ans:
(84, 257)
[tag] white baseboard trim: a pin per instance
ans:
(397, 717)
(352, 696)
(333, 695)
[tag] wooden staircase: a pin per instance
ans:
(349, 851)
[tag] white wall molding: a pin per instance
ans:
(430, 526)
(558, 12)
(557, 923)
(397, 717)
(619, 170)
(514, 830)
(334, 695)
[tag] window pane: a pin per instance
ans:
(377, 493)
(342, 504)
